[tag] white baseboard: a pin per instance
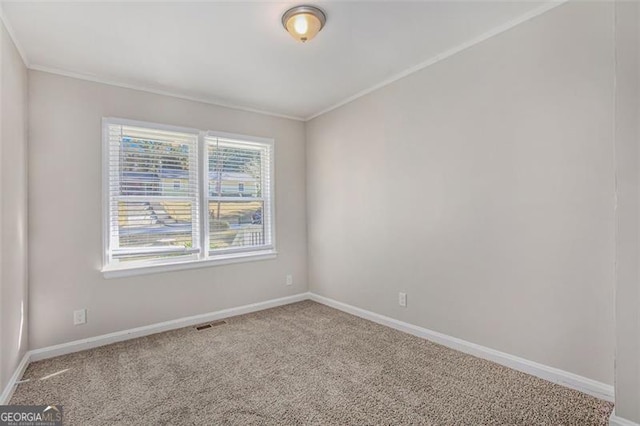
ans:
(119, 336)
(17, 375)
(574, 381)
(619, 421)
(555, 375)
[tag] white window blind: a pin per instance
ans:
(238, 195)
(150, 217)
(175, 196)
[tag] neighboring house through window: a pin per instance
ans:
(166, 205)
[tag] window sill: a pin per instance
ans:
(132, 270)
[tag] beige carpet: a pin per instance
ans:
(303, 363)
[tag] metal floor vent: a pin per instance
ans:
(211, 324)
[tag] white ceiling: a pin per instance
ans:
(238, 54)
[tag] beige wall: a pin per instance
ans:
(627, 377)
(483, 186)
(13, 207)
(65, 214)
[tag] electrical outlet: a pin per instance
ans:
(289, 279)
(79, 317)
(402, 299)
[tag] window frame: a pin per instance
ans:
(205, 257)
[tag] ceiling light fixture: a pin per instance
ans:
(303, 22)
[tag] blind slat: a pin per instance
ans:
(154, 183)
(153, 193)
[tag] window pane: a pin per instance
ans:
(153, 190)
(234, 171)
(152, 225)
(151, 167)
(236, 224)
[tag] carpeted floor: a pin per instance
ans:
(303, 363)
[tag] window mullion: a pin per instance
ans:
(204, 201)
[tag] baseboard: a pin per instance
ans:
(119, 336)
(619, 421)
(555, 375)
(561, 377)
(17, 375)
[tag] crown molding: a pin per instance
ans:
(213, 101)
(111, 82)
(12, 36)
(173, 94)
(444, 55)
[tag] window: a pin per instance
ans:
(182, 197)
(232, 216)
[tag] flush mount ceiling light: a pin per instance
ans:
(304, 22)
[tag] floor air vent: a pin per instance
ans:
(211, 324)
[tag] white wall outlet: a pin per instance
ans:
(79, 317)
(289, 279)
(402, 299)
